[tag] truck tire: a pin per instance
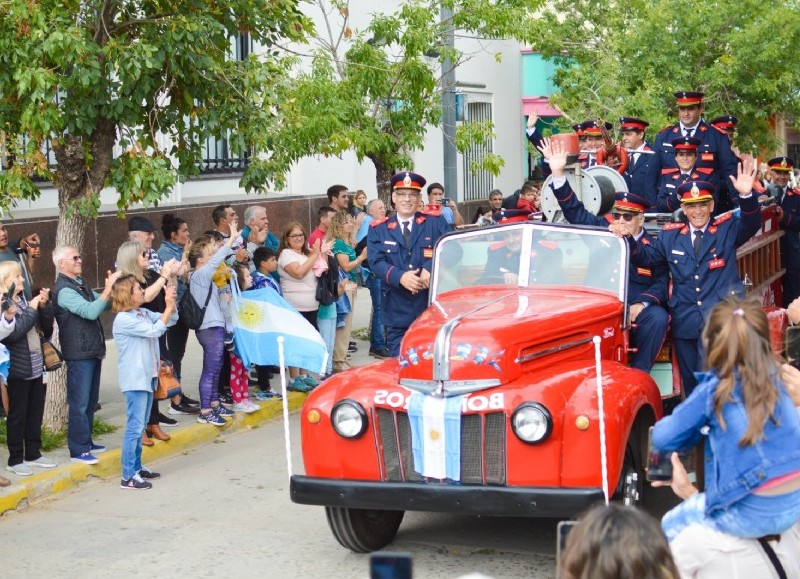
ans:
(362, 530)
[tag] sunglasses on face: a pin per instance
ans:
(626, 216)
(75, 258)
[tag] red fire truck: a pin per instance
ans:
(492, 407)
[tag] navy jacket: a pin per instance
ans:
(637, 176)
(698, 284)
(715, 159)
(390, 258)
(790, 242)
(668, 200)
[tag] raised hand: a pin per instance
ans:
(555, 154)
(746, 176)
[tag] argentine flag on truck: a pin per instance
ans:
(260, 317)
(436, 435)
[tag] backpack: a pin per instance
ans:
(190, 311)
(328, 284)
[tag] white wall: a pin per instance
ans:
(313, 175)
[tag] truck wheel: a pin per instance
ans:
(631, 479)
(362, 530)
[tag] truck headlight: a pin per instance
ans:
(349, 419)
(531, 422)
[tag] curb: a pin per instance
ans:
(37, 487)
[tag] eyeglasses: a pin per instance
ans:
(626, 216)
(75, 258)
(406, 195)
(296, 235)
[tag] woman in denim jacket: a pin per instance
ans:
(752, 430)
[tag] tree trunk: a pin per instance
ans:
(383, 175)
(76, 182)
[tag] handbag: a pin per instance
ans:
(166, 380)
(51, 356)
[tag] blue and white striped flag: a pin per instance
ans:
(260, 316)
(436, 435)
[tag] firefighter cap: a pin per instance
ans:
(696, 192)
(685, 98)
(408, 180)
(781, 164)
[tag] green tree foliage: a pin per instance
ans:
(628, 57)
(127, 91)
(377, 91)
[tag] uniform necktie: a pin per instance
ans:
(698, 239)
(406, 233)
(688, 132)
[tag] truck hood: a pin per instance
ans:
(491, 335)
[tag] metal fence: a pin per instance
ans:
(477, 185)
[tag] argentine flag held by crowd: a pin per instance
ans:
(436, 435)
(260, 317)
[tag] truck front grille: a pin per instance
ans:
(483, 447)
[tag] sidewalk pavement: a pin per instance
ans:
(186, 434)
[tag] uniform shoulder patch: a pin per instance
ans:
(672, 226)
(376, 222)
(720, 130)
(723, 218)
(420, 219)
(667, 128)
(645, 240)
(792, 192)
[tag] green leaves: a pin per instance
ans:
(627, 58)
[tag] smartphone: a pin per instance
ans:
(12, 289)
(386, 565)
(562, 532)
(446, 201)
(791, 348)
(659, 464)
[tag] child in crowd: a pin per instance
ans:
(745, 414)
(136, 331)
(222, 279)
(530, 197)
(265, 261)
(483, 216)
(240, 379)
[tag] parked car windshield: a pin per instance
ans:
(530, 255)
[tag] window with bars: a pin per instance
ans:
(477, 185)
(217, 156)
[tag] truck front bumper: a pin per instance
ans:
(546, 502)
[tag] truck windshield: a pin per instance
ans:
(531, 255)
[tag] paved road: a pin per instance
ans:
(223, 510)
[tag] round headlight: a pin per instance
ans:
(349, 419)
(531, 422)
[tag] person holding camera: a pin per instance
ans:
(751, 428)
(25, 387)
(449, 210)
(24, 252)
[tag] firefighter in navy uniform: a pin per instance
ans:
(685, 149)
(788, 198)
(647, 286)
(637, 173)
(727, 124)
(715, 159)
(400, 251)
(701, 256)
(593, 140)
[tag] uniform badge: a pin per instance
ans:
(707, 157)
(407, 181)
(427, 252)
(784, 164)
(695, 191)
(716, 263)
(644, 271)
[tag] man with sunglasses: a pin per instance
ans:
(647, 286)
(701, 256)
(400, 251)
(77, 310)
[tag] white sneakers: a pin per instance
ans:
(246, 406)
